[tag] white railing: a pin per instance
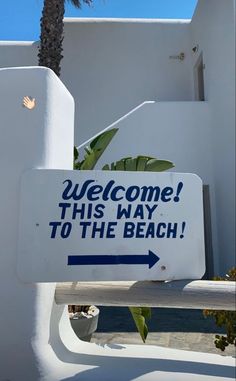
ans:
(114, 124)
(198, 294)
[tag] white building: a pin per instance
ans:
(182, 74)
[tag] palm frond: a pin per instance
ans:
(78, 3)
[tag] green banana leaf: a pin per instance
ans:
(94, 151)
(140, 316)
(140, 163)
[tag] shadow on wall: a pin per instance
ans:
(128, 368)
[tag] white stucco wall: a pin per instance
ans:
(37, 138)
(212, 28)
(176, 131)
(120, 64)
(17, 53)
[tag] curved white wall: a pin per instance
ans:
(37, 138)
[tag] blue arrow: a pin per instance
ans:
(149, 259)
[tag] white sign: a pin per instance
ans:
(106, 225)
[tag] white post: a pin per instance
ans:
(41, 137)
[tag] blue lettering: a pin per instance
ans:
(160, 226)
(99, 213)
(150, 233)
(150, 210)
(66, 229)
(140, 229)
(139, 212)
(98, 229)
(110, 230)
(54, 225)
(114, 193)
(123, 212)
(167, 191)
(107, 190)
(80, 211)
(148, 193)
(129, 230)
(84, 225)
(179, 189)
(129, 193)
(95, 189)
(172, 230)
(64, 206)
(73, 194)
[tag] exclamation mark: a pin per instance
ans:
(179, 188)
(183, 227)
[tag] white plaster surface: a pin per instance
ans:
(29, 139)
(118, 65)
(18, 53)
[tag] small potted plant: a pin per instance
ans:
(84, 320)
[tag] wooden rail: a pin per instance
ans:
(198, 294)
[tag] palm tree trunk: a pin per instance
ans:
(50, 50)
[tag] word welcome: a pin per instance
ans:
(113, 192)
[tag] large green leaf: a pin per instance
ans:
(140, 163)
(76, 154)
(89, 161)
(101, 142)
(140, 316)
(120, 165)
(155, 165)
(94, 151)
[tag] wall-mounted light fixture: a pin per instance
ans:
(195, 49)
(180, 56)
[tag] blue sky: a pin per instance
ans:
(19, 19)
